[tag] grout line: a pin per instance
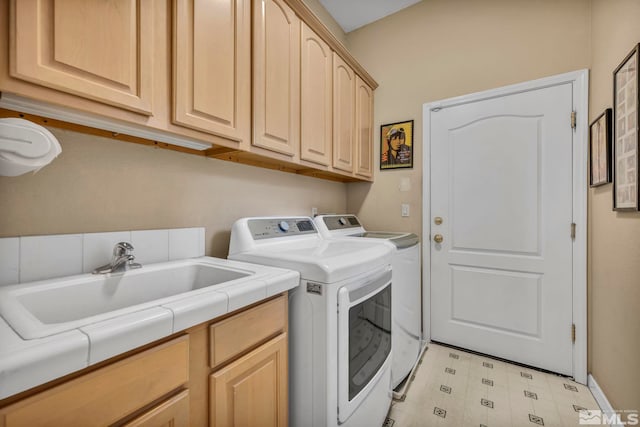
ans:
(19, 257)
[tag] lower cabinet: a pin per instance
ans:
(172, 412)
(228, 372)
(109, 394)
(252, 391)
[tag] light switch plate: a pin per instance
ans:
(405, 209)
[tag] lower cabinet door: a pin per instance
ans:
(252, 391)
(172, 412)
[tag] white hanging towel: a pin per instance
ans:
(25, 147)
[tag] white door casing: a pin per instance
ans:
(506, 172)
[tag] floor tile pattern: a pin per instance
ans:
(459, 389)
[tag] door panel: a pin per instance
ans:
(343, 114)
(276, 77)
(316, 96)
(364, 128)
(513, 152)
(211, 62)
(501, 179)
(98, 50)
(510, 300)
(252, 391)
(173, 412)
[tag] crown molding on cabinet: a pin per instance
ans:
(303, 11)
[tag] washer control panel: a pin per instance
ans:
(340, 222)
(268, 228)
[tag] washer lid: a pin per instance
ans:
(401, 240)
(325, 261)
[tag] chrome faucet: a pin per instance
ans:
(122, 260)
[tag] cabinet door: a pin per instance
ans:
(316, 107)
(211, 63)
(276, 77)
(101, 50)
(252, 391)
(343, 114)
(364, 128)
(173, 412)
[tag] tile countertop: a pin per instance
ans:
(28, 363)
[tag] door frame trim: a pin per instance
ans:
(580, 83)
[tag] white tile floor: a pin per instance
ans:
(459, 389)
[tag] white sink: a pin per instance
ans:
(44, 308)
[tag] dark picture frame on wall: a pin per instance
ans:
(600, 149)
(626, 115)
(396, 145)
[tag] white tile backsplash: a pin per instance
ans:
(25, 259)
(201, 243)
(151, 245)
(185, 243)
(43, 257)
(98, 248)
(9, 261)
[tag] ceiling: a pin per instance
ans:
(353, 14)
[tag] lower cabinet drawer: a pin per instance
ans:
(237, 334)
(109, 394)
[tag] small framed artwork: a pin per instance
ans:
(625, 139)
(396, 145)
(600, 149)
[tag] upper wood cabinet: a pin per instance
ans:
(364, 129)
(260, 82)
(212, 66)
(316, 108)
(276, 77)
(101, 50)
(344, 82)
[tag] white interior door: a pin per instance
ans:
(501, 180)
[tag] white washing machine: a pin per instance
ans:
(405, 295)
(339, 319)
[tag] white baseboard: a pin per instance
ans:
(601, 399)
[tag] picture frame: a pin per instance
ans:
(626, 115)
(600, 149)
(396, 145)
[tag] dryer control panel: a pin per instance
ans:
(267, 228)
(341, 222)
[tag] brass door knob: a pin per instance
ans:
(438, 238)
(437, 220)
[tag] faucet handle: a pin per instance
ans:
(122, 248)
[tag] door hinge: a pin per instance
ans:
(573, 120)
(573, 332)
(573, 230)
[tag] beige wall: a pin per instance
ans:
(614, 291)
(98, 184)
(438, 49)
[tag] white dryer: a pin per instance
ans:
(406, 289)
(339, 320)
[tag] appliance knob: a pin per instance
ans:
(342, 221)
(284, 226)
